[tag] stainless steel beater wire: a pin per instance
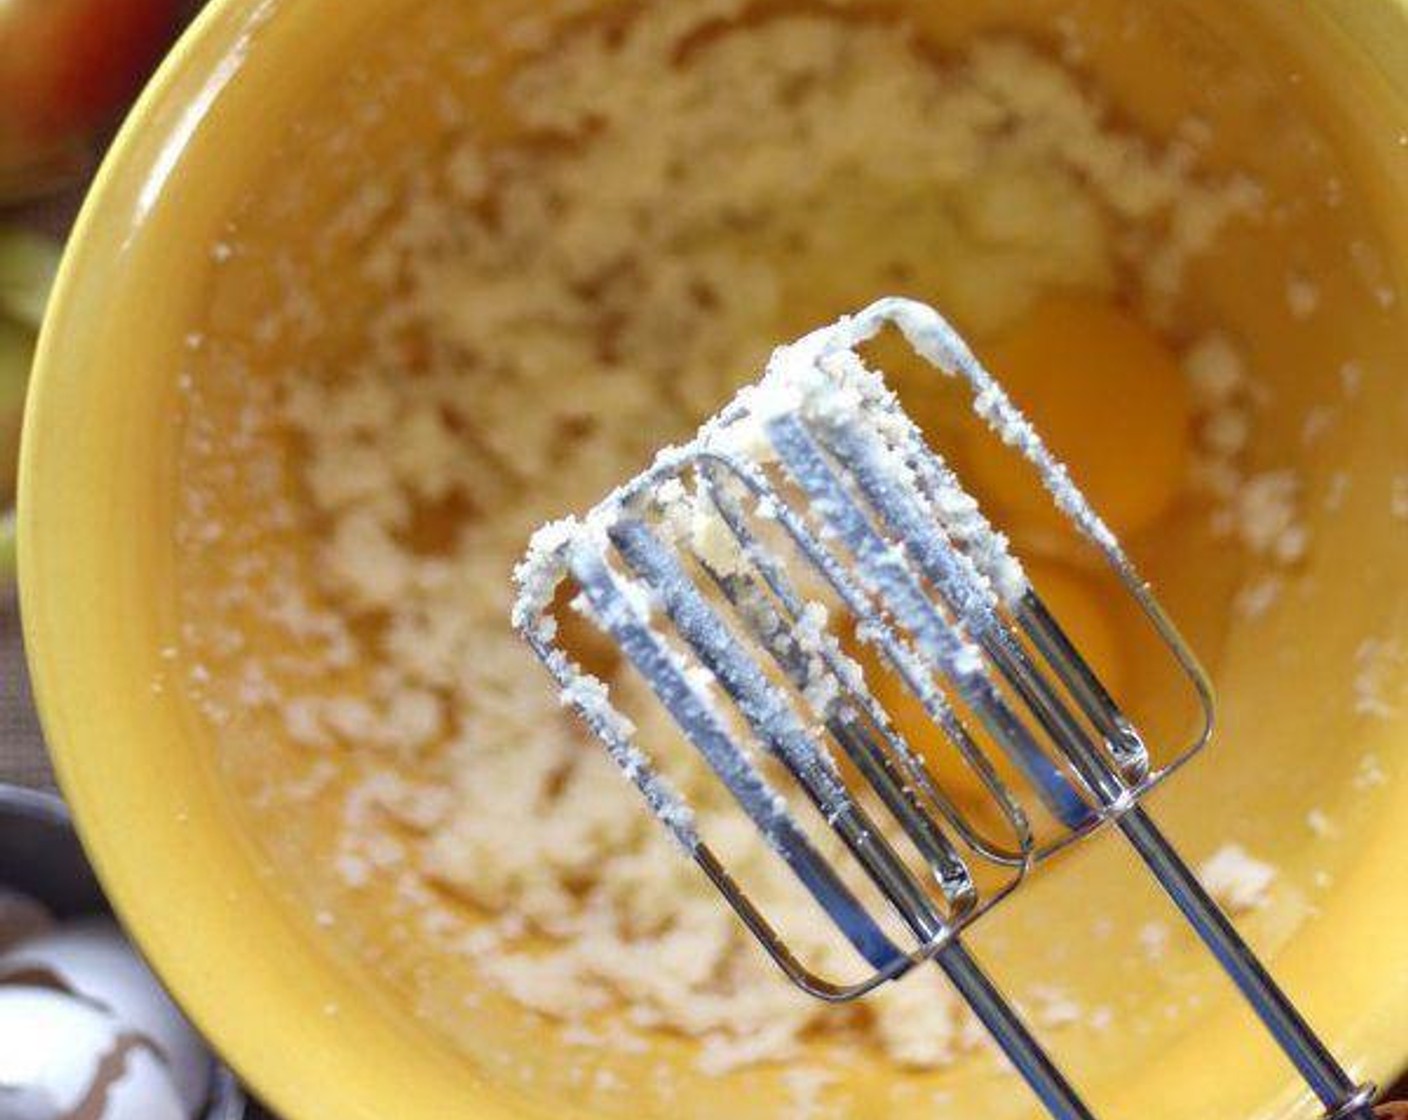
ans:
(775, 636)
(772, 719)
(770, 628)
(699, 627)
(691, 712)
(875, 561)
(1002, 1022)
(1321, 1071)
(1051, 642)
(856, 601)
(960, 587)
(935, 478)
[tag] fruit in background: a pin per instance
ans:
(67, 67)
(28, 263)
(16, 354)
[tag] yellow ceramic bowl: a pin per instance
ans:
(96, 511)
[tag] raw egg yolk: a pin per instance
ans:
(1109, 400)
(583, 640)
(1076, 605)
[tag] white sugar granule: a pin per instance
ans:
(1336, 489)
(1153, 940)
(1237, 879)
(1379, 677)
(806, 1090)
(1256, 598)
(1262, 511)
(1056, 1007)
(1302, 296)
(1368, 773)
(1267, 516)
(1216, 372)
(1319, 419)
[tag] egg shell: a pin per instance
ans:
(21, 917)
(61, 1058)
(91, 958)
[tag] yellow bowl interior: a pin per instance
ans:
(320, 1037)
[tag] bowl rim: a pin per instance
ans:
(34, 804)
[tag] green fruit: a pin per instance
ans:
(16, 357)
(28, 263)
(7, 545)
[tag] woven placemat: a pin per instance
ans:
(23, 760)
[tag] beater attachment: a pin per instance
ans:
(807, 551)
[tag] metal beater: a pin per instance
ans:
(686, 568)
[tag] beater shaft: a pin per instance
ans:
(1343, 1098)
(1008, 1030)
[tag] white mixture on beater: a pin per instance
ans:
(682, 200)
